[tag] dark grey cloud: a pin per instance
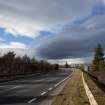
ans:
(77, 41)
(64, 48)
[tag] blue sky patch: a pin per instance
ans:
(11, 38)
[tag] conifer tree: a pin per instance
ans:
(98, 57)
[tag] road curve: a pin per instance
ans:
(28, 91)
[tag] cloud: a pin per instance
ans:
(75, 41)
(103, 1)
(97, 22)
(69, 61)
(19, 48)
(13, 45)
(28, 17)
(2, 39)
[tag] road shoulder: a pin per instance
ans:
(51, 96)
(73, 93)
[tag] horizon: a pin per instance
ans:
(58, 30)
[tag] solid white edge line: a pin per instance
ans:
(43, 93)
(89, 93)
(32, 100)
(64, 85)
(63, 80)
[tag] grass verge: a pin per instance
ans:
(96, 91)
(73, 93)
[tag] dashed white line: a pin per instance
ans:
(40, 80)
(15, 87)
(50, 88)
(9, 89)
(32, 100)
(43, 93)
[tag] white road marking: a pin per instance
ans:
(32, 100)
(2, 86)
(50, 88)
(10, 88)
(40, 80)
(43, 93)
(89, 93)
(61, 81)
(15, 87)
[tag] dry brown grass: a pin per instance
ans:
(73, 93)
(97, 92)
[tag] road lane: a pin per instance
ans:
(28, 90)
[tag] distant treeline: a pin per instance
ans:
(10, 64)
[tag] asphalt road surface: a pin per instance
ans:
(31, 90)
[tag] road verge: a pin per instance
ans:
(89, 93)
(97, 91)
(73, 93)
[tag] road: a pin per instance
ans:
(29, 91)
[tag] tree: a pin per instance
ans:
(8, 60)
(66, 65)
(56, 67)
(12, 65)
(98, 57)
(9, 56)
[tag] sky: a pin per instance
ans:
(55, 30)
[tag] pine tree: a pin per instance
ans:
(98, 57)
(66, 65)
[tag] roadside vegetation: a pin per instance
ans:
(96, 90)
(73, 93)
(95, 78)
(12, 65)
(98, 64)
